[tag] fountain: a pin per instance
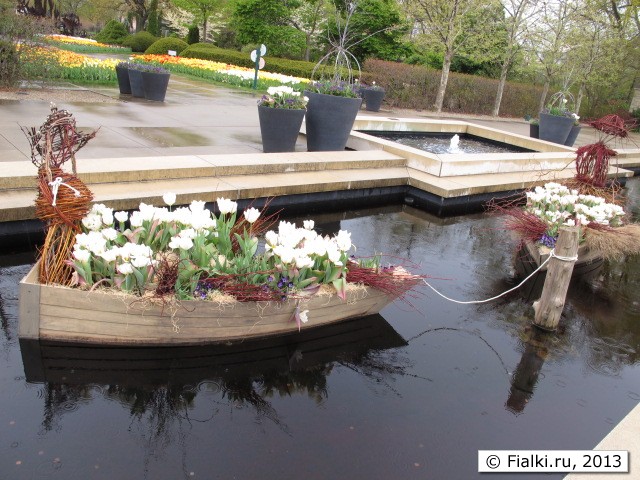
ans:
(454, 145)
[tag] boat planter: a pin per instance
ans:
(531, 255)
(123, 80)
(555, 128)
(52, 312)
(279, 128)
(155, 85)
(573, 135)
(329, 121)
(373, 98)
(534, 130)
(135, 80)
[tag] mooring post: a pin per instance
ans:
(548, 308)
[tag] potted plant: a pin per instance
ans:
(556, 120)
(122, 72)
(373, 95)
(155, 81)
(332, 109)
(334, 100)
(280, 112)
(534, 128)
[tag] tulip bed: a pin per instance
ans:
(220, 72)
(51, 62)
(83, 45)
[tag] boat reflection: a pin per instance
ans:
(165, 381)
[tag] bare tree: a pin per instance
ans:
(551, 40)
(441, 23)
(517, 15)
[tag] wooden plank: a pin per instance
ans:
(29, 305)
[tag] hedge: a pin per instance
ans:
(416, 87)
(207, 51)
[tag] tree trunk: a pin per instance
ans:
(204, 28)
(543, 97)
(503, 81)
(444, 78)
(307, 50)
(579, 98)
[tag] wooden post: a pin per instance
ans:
(549, 307)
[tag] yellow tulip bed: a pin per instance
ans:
(220, 72)
(82, 45)
(51, 62)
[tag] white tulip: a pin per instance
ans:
(169, 198)
(125, 268)
(82, 255)
(121, 216)
(251, 214)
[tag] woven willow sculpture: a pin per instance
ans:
(63, 199)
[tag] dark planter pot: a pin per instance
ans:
(155, 85)
(534, 130)
(329, 120)
(554, 128)
(279, 128)
(373, 99)
(123, 80)
(573, 134)
(135, 80)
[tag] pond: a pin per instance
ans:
(413, 393)
(439, 143)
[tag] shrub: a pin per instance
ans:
(207, 51)
(139, 42)
(113, 33)
(410, 86)
(9, 64)
(194, 35)
(635, 114)
(162, 46)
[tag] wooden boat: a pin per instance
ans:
(51, 312)
(530, 256)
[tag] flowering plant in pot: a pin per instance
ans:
(281, 112)
(373, 95)
(334, 99)
(148, 81)
(557, 119)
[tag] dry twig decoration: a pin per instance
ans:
(63, 199)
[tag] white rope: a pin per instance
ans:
(55, 185)
(552, 254)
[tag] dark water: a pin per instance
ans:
(414, 393)
(441, 143)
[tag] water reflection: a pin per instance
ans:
(161, 383)
(359, 405)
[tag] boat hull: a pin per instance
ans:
(51, 312)
(529, 257)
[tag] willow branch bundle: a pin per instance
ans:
(238, 286)
(592, 163)
(395, 281)
(57, 140)
(613, 125)
(57, 248)
(257, 228)
(613, 243)
(69, 207)
(63, 221)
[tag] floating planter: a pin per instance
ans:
(183, 275)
